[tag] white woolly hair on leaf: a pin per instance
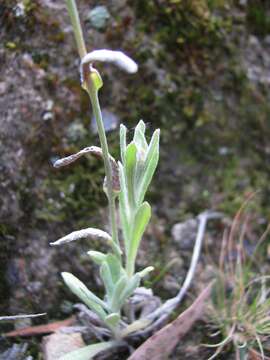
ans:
(84, 233)
(117, 58)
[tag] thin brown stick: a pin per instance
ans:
(41, 329)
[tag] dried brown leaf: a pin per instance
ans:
(254, 355)
(97, 152)
(160, 345)
(41, 329)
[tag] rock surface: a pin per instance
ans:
(184, 234)
(57, 345)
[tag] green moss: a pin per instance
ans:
(258, 17)
(177, 24)
(198, 92)
(41, 58)
(72, 193)
(29, 6)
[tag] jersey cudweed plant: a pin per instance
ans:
(126, 183)
(127, 312)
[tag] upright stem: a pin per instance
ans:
(93, 94)
(107, 164)
(76, 25)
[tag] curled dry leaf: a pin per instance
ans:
(254, 355)
(97, 152)
(160, 345)
(70, 159)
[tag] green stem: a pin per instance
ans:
(130, 268)
(93, 94)
(76, 25)
(107, 164)
(130, 262)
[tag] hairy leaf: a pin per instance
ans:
(141, 220)
(123, 142)
(88, 352)
(123, 207)
(106, 276)
(117, 58)
(115, 267)
(132, 285)
(84, 233)
(79, 289)
(112, 319)
(135, 326)
(130, 164)
(151, 162)
(97, 256)
(146, 271)
(139, 138)
(120, 286)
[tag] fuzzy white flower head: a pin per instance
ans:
(117, 58)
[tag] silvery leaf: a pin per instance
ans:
(97, 256)
(79, 289)
(81, 234)
(112, 319)
(88, 352)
